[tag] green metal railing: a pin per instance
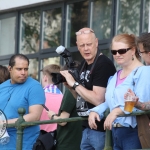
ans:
(20, 125)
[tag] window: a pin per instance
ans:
(101, 18)
(76, 56)
(106, 52)
(7, 35)
(51, 28)
(146, 16)
(33, 68)
(30, 32)
(77, 18)
(48, 61)
(128, 16)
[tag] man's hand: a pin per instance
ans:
(50, 113)
(62, 116)
(92, 117)
(70, 80)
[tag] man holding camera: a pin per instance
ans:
(94, 73)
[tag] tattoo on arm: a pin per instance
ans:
(143, 106)
(147, 106)
(140, 105)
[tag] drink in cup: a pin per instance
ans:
(129, 103)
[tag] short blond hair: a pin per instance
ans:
(53, 68)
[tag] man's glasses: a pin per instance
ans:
(120, 51)
(140, 53)
(84, 32)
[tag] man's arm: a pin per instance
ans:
(143, 106)
(34, 114)
(63, 115)
(95, 96)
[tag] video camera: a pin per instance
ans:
(71, 66)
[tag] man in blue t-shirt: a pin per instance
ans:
(21, 91)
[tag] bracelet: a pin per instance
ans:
(52, 118)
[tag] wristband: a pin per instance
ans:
(52, 118)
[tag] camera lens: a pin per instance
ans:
(57, 78)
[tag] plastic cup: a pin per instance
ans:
(129, 103)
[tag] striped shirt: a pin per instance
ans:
(52, 89)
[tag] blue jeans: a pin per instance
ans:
(92, 140)
(125, 138)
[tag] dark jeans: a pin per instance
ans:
(125, 138)
(92, 140)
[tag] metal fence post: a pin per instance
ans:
(108, 137)
(108, 140)
(19, 128)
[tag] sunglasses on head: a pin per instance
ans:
(120, 51)
(84, 32)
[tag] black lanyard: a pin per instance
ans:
(12, 90)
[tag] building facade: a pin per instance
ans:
(37, 27)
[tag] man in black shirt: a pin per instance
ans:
(90, 92)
